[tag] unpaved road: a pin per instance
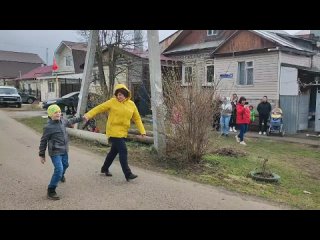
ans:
(23, 181)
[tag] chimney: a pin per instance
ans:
(138, 41)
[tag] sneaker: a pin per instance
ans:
(264, 133)
(243, 143)
(234, 129)
(237, 138)
(102, 170)
(108, 174)
(52, 195)
(131, 176)
(230, 130)
(63, 179)
(260, 133)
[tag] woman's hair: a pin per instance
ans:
(242, 99)
(123, 91)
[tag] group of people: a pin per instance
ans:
(238, 113)
(121, 110)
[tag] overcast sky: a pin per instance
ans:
(38, 41)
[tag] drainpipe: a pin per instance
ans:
(279, 73)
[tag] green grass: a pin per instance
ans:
(297, 164)
(36, 123)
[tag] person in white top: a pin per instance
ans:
(226, 111)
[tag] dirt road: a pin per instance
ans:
(23, 181)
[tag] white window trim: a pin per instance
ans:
(245, 73)
(70, 61)
(53, 86)
(206, 83)
(184, 83)
(214, 32)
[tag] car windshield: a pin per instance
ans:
(8, 91)
(70, 94)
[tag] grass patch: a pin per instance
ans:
(227, 164)
(36, 123)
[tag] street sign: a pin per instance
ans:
(226, 75)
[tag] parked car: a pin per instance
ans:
(9, 96)
(27, 98)
(70, 101)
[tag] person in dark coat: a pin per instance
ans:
(264, 110)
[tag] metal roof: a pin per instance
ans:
(283, 42)
(37, 72)
(68, 76)
(9, 56)
(211, 44)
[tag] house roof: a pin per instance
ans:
(82, 46)
(145, 54)
(204, 45)
(273, 37)
(37, 72)
(303, 32)
(67, 76)
(10, 56)
(170, 36)
(277, 39)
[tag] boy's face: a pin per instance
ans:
(56, 115)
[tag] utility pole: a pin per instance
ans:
(47, 56)
(86, 78)
(158, 108)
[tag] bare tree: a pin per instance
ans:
(189, 116)
(112, 42)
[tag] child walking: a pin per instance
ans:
(56, 137)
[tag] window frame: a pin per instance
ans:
(212, 32)
(184, 82)
(246, 68)
(68, 60)
(206, 83)
(51, 86)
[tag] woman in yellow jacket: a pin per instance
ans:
(121, 110)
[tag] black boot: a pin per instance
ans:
(131, 176)
(52, 194)
(63, 179)
(106, 172)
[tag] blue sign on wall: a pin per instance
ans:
(226, 75)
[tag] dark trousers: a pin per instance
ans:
(263, 118)
(232, 122)
(243, 129)
(118, 145)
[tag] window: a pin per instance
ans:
(50, 86)
(212, 32)
(210, 74)
(245, 73)
(68, 61)
(187, 75)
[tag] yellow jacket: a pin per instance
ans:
(120, 115)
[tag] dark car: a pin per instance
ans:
(9, 96)
(27, 98)
(70, 101)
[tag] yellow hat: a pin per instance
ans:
(53, 109)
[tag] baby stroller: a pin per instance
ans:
(276, 123)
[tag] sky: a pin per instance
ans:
(43, 41)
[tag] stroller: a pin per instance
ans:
(276, 123)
